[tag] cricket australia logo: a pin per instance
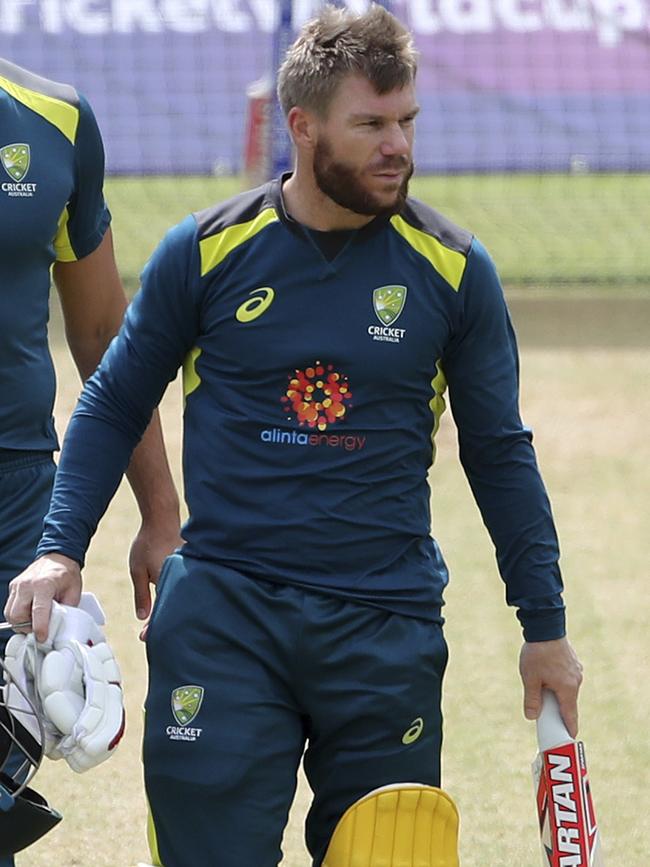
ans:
(388, 303)
(15, 159)
(186, 704)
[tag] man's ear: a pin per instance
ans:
(303, 128)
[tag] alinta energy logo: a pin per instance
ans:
(316, 397)
(16, 159)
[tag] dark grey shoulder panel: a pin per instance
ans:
(428, 220)
(31, 81)
(239, 209)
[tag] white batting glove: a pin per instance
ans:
(82, 695)
(76, 684)
(20, 693)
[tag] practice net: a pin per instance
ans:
(534, 129)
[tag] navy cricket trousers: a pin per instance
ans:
(26, 480)
(244, 674)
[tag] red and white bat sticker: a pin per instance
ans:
(566, 815)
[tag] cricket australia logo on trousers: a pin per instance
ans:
(388, 303)
(15, 159)
(186, 704)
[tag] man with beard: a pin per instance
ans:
(319, 320)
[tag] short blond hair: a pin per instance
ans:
(339, 42)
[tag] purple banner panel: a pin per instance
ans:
(523, 85)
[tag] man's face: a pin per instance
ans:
(363, 157)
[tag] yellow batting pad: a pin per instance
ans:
(402, 825)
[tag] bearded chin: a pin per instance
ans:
(340, 182)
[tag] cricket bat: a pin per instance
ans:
(567, 822)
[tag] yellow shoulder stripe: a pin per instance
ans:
(215, 248)
(449, 263)
(62, 115)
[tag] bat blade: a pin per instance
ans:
(567, 821)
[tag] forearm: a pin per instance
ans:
(88, 339)
(515, 508)
(94, 458)
(151, 480)
(88, 349)
(148, 471)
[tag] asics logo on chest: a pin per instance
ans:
(259, 302)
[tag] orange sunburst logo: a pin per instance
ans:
(317, 396)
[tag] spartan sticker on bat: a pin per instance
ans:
(568, 826)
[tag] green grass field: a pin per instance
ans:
(584, 401)
(585, 370)
(542, 230)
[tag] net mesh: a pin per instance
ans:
(534, 130)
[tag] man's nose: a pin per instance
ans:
(396, 141)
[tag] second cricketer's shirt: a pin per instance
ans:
(313, 389)
(51, 209)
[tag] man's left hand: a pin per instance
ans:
(154, 542)
(551, 665)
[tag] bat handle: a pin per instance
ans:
(551, 731)
(14, 626)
